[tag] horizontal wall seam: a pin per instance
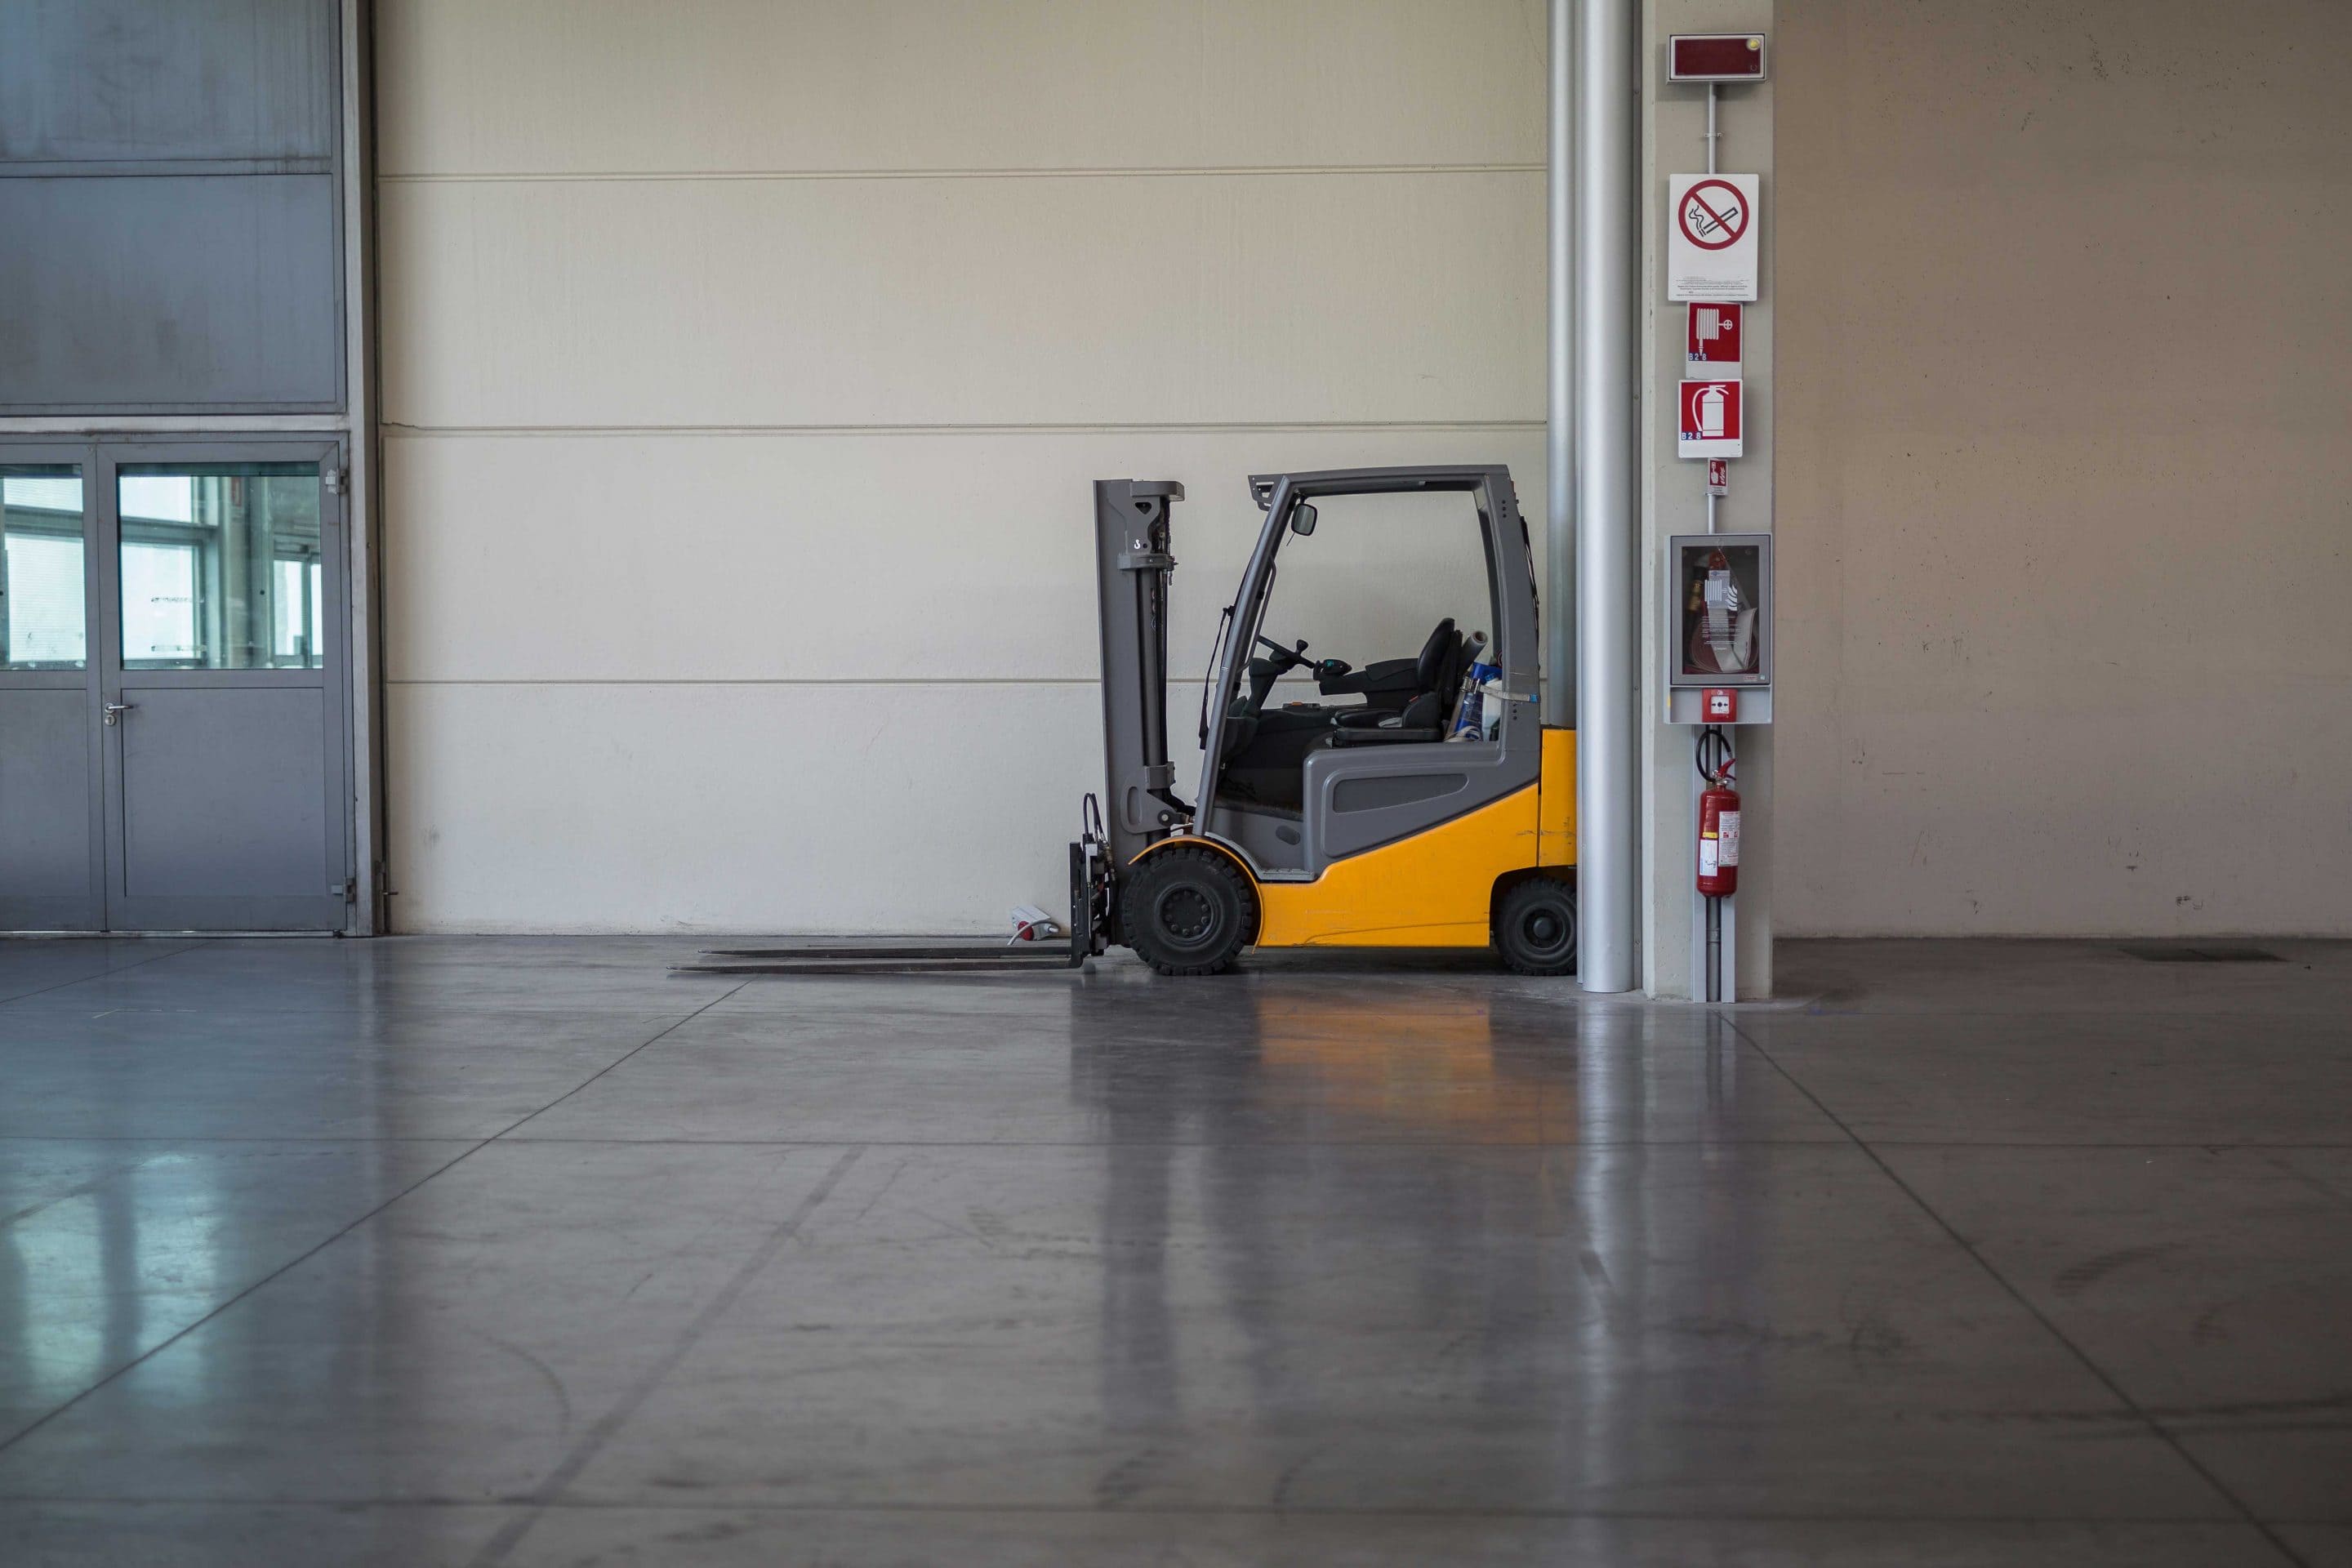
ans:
(172, 425)
(159, 168)
(595, 176)
(1203, 427)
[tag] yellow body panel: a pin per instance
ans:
(1559, 785)
(1435, 888)
(1432, 889)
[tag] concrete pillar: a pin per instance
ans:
(1674, 500)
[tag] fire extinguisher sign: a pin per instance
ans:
(1710, 423)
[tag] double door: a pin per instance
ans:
(175, 705)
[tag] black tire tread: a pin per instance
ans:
(1514, 902)
(1182, 860)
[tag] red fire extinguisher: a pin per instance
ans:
(1718, 836)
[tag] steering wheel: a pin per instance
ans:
(1286, 659)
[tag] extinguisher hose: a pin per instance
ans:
(1712, 756)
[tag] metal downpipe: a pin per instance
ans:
(1607, 264)
(1559, 692)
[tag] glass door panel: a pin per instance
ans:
(219, 566)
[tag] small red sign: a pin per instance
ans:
(1714, 56)
(1712, 334)
(1710, 420)
(1720, 704)
(1719, 476)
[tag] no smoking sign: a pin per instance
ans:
(1713, 215)
(1711, 244)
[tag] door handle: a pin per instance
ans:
(115, 710)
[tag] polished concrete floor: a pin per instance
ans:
(486, 1251)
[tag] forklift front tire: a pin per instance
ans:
(1188, 910)
(1535, 926)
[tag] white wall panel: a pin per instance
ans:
(588, 86)
(1208, 299)
(709, 807)
(890, 556)
(739, 535)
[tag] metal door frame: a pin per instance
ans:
(88, 912)
(354, 419)
(330, 910)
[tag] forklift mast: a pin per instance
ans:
(1132, 563)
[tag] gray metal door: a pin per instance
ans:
(52, 839)
(220, 653)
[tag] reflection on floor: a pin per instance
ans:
(505, 1251)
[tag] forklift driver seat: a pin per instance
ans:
(1389, 684)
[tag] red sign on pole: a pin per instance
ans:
(1709, 426)
(1719, 476)
(1712, 334)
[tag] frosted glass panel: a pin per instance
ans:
(220, 565)
(42, 594)
(159, 605)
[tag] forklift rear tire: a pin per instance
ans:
(1188, 911)
(1535, 926)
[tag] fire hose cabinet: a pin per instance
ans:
(1718, 624)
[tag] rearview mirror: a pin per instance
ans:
(1302, 520)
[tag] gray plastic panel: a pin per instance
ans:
(188, 291)
(132, 81)
(1421, 778)
(1276, 845)
(1395, 789)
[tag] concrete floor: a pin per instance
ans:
(527, 1252)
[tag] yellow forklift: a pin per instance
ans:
(1390, 813)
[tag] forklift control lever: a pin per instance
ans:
(1284, 659)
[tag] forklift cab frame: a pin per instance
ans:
(1405, 841)
(1357, 797)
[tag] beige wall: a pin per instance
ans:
(746, 365)
(2065, 448)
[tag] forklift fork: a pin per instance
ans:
(1091, 892)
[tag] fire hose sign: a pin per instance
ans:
(1710, 420)
(1711, 247)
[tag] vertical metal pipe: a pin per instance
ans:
(1715, 950)
(1715, 907)
(1608, 522)
(1559, 431)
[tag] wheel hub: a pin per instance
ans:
(1546, 932)
(1187, 916)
